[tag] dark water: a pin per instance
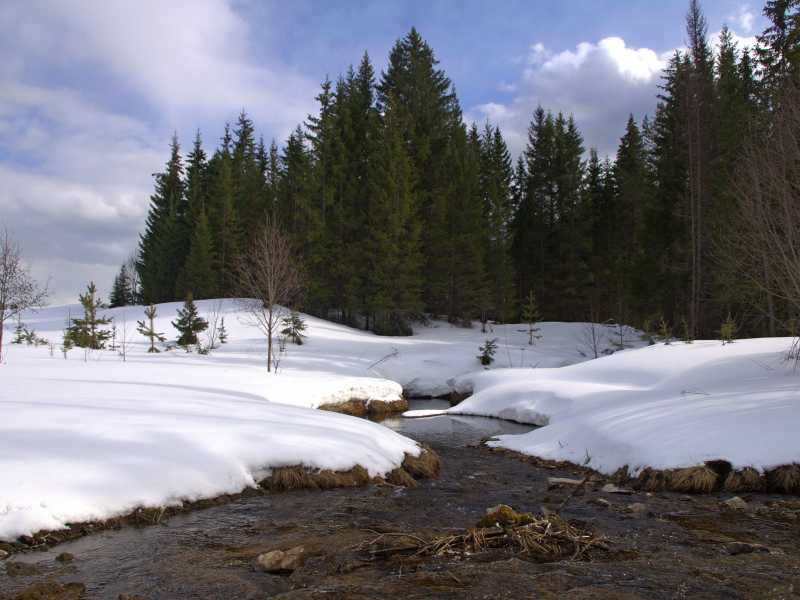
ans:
(677, 549)
(446, 430)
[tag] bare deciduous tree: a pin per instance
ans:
(19, 291)
(270, 282)
(761, 242)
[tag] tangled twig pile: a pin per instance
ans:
(545, 537)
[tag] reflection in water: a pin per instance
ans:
(451, 430)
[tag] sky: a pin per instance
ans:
(91, 92)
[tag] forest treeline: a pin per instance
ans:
(396, 207)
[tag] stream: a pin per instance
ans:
(680, 547)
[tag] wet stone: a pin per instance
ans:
(638, 508)
(65, 557)
(735, 503)
(735, 548)
(278, 561)
(610, 488)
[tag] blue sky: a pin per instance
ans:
(90, 92)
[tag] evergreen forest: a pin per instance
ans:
(397, 208)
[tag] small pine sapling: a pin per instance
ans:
(488, 351)
(150, 332)
(87, 332)
(686, 336)
(728, 331)
(531, 316)
(66, 339)
(19, 332)
(648, 334)
(665, 331)
(294, 325)
(189, 323)
(223, 334)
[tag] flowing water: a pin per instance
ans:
(678, 548)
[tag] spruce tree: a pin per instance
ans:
(224, 222)
(189, 323)
(160, 246)
(425, 93)
(198, 276)
(496, 178)
(392, 230)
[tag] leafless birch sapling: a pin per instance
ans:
(19, 291)
(270, 283)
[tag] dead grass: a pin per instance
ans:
(653, 481)
(700, 480)
(547, 536)
(400, 476)
(785, 479)
(352, 408)
(424, 466)
(746, 480)
(379, 407)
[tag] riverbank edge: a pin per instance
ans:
(412, 468)
(710, 477)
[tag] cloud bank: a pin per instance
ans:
(89, 95)
(599, 84)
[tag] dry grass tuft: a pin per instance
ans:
(653, 481)
(426, 465)
(327, 479)
(379, 407)
(698, 479)
(289, 478)
(747, 480)
(360, 475)
(400, 476)
(785, 479)
(352, 408)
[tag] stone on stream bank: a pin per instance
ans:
(278, 561)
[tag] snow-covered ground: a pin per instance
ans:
(663, 406)
(92, 436)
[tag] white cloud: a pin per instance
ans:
(744, 18)
(599, 84)
(89, 95)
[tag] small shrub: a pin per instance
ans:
(648, 333)
(728, 331)
(488, 350)
(293, 327)
(686, 336)
(665, 331)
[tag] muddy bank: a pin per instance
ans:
(662, 545)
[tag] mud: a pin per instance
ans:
(670, 546)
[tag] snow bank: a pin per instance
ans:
(664, 407)
(91, 437)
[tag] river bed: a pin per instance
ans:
(678, 547)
